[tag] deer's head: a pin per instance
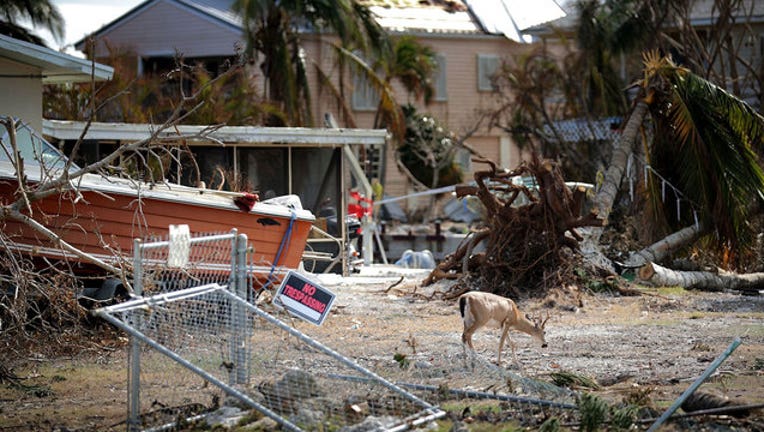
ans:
(538, 324)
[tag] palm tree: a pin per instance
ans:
(705, 145)
(41, 13)
(402, 59)
(413, 65)
(272, 30)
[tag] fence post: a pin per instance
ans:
(238, 286)
(240, 319)
(134, 361)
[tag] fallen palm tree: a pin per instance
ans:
(656, 275)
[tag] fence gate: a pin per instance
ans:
(198, 343)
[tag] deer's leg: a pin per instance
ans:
(504, 333)
(469, 330)
(514, 355)
(471, 325)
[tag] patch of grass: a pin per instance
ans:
(665, 322)
(672, 291)
(478, 415)
(403, 361)
(622, 418)
(758, 364)
(476, 426)
(490, 427)
(749, 330)
(458, 406)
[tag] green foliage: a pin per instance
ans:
(402, 359)
(622, 418)
(550, 425)
(593, 412)
(271, 30)
(595, 283)
(705, 145)
(151, 98)
(596, 414)
(413, 64)
(428, 150)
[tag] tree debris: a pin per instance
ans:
(527, 245)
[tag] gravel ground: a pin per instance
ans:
(657, 343)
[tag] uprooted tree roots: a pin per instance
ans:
(528, 234)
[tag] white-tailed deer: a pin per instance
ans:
(480, 309)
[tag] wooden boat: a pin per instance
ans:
(103, 215)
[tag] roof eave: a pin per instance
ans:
(55, 67)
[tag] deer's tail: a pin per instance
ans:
(462, 305)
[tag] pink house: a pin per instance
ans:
(471, 38)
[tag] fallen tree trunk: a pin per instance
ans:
(659, 250)
(656, 275)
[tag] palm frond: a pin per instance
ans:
(413, 64)
(325, 81)
(706, 138)
(41, 13)
(388, 105)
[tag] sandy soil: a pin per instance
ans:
(657, 343)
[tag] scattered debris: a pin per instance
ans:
(700, 401)
(572, 380)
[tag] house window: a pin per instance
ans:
(365, 96)
(441, 94)
(488, 64)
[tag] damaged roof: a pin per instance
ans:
(497, 17)
(424, 16)
(494, 17)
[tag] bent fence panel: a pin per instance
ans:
(294, 379)
(199, 346)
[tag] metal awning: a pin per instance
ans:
(295, 136)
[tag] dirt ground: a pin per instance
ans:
(657, 344)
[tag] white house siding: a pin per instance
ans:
(165, 26)
(21, 97)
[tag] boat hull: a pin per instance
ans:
(106, 224)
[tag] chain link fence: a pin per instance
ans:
(197, 340)
(414, 340)
(200, 345)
